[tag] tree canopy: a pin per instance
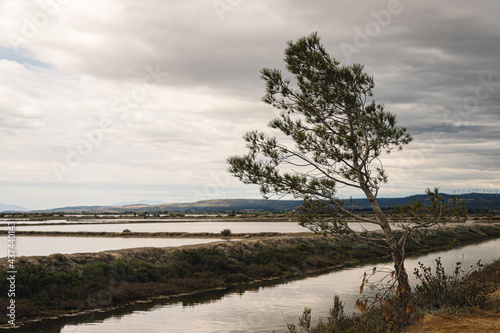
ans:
(333, 135)
(338, 133)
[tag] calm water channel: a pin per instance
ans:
(162, 226)
(261, 308)
(43, 246)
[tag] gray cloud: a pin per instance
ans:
(87, 66)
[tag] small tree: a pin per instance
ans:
(226, 232)
(338, 136)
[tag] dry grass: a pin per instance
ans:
(473, 323)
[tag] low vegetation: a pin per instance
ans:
(43, 290)
(465, 291)
(103, 284)
(226, 232)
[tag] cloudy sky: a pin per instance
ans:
(125, 100)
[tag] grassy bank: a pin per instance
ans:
(48, 286)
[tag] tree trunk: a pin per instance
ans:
(403, 302)
(397, 250)
(403, 290)
(384, 222)
(401, 275)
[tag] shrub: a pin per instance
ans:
(338, 321)
(438, 289)
(226, 232)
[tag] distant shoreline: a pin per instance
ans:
(154, 234)
(177, 234)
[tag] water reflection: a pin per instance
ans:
(257, 308)
(163, 226)
(213, 227)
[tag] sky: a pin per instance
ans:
(127, 100)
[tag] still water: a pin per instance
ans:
(43, 246)
(258, 308)
(27, 220)
(161, 226)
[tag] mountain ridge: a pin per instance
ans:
(12, 208)
(474, 202)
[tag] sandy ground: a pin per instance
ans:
(473, 323)
(487, 322)
(458, 324)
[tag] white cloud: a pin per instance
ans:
(78, 70)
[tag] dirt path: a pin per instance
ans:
(446, 323)
(487, 322)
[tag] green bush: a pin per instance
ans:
(437, 290)
(226, 232)
(338, 321)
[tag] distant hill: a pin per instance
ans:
(134, 203)
(239, 205)
(227, 205)
(12, 208)
(475, 202)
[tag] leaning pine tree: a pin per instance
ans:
(335, 136)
